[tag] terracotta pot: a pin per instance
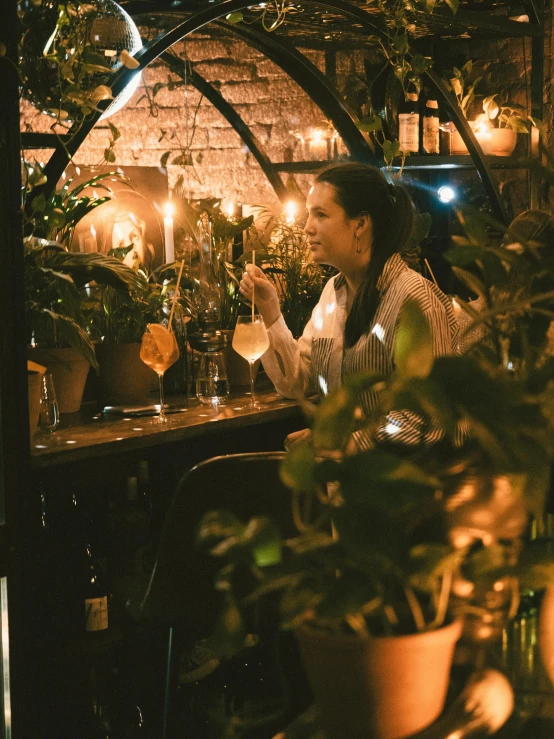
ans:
(238, 373)
(69, 371)
(504, 141)
(123, 377)
(33, 387)
(380, 688)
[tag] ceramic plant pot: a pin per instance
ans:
(379, 688)
(503, 141)
(69, 371)
(123, 377)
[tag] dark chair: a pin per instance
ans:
(180, 596)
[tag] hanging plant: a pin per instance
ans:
(68, 53)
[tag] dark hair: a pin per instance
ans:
(363, 190)
(533, 225)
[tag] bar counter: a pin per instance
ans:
(87, 435)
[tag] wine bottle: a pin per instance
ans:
(431, 133)
(95, 594)
(131, 535)
(408, 123)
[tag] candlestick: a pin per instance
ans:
(168, 234)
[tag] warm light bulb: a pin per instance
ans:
(229, 208)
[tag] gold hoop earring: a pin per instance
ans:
(358, 248)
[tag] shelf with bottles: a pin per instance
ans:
(460, 161)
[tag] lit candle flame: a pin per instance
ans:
(168, 209)
(290, 210)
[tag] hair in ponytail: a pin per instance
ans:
(363, 190)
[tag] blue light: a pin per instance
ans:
(446, 194)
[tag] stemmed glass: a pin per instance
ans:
(49, 417)
(159, 351)
(250, 340)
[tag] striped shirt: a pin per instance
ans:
(318, 361)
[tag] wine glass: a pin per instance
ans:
(159, 351)
(250, 340)
(49, 416)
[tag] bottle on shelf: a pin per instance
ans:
(408, 123)
(430, 139)
(131, 539)
(96, 593)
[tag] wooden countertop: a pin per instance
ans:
(84, 436)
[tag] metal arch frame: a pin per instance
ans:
(345, 122)
(163, 41)
(300, 69)
(230, 114)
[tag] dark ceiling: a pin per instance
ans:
(315, 25)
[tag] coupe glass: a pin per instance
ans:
(159, 351)
(250, 340)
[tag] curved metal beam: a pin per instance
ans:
(163, 41)
(151, 51)
(226, 110)
(314, 84)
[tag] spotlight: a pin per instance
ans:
(446, 194)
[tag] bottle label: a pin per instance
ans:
(431, 133)
(408, 133)
(96, 613)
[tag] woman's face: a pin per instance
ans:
(329, 230)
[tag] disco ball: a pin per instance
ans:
(63, 48)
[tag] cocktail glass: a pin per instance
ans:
(250, 340)
(159, 351)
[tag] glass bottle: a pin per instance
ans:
(408, 123)
(431, 133)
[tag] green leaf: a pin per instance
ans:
(370, 124)
(400, 43)
(453, 5)
(235, 17)
(390, 150)
(114, 131)
(413, 348)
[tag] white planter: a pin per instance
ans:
(503, 141)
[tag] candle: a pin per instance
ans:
(318, 145)
(485, 140)
(168, 234)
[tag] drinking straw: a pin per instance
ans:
(431, 272)
(175, 296)
(253, 284)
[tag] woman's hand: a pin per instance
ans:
(265, 294)
(296, 437)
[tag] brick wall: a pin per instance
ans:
(272, 105)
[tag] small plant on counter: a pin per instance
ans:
(56, 293)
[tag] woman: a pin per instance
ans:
(357, 223)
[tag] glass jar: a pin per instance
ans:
(212, 385)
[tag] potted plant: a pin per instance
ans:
(118, 319)
(56, 283)
(508, 119)
(203, 220)
(400, 542)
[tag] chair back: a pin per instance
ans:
(181, 589)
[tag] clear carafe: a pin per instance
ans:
(212, 385)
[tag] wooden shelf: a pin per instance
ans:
(82, 438)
